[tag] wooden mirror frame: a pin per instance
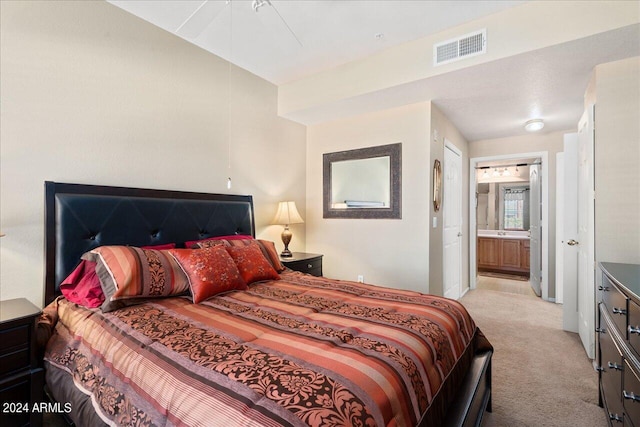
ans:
(437, 185)
(394, 211)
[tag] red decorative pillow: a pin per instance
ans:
(82, 286)
(189, 244)
(252, 264)
(210, 271)
(268, 250)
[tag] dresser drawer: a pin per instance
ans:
(616, 304)
(631, 394)
(633, 330)
(612, 366)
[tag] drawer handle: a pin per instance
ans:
(309, 265)
(613, 365)
(601, 330)
(633, 330)
(615, 417)
(599, 368)
(631, 396)
(620, 311)
(603, 288)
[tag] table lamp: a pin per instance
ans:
(287, 214)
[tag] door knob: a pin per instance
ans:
(459, 234)
(572, 242)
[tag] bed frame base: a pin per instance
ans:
(475, 394)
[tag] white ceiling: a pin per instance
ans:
(487, 101)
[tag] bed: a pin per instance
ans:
(291, 350)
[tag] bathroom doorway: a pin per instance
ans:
(502, 223)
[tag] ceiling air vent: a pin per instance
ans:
(461, 47)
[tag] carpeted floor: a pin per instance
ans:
(541, 374)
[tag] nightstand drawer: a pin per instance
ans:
(14, 349)
(16, 393)
(304, 263)
(13, 338)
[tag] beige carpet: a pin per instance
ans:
(541, 374)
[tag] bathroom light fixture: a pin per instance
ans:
(506, 172)
(534, 125)
(495, 172)
(485, 174)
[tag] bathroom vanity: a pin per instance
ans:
(503, 251)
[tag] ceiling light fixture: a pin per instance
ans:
(534, 125)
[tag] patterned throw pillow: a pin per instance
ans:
(129, 273)
(193, 244)
(210, 271)
(252, 264)
(268, 249)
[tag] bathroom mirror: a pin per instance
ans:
(363, 183)
(503, 206)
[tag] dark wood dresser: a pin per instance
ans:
(21, 380)
(618, 357)
(304, 262)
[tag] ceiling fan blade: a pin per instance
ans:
(201, 18)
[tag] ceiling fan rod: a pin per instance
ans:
(192, 15)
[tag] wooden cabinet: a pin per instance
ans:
(618, 355)
(488, 252)
(503, 255)
(21, 380)
(304, 262)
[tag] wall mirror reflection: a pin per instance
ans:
(363, 183)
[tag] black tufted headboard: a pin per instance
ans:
(80, 217)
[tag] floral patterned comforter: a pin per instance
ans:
(298, 351)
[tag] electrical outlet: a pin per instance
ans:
(360, 278)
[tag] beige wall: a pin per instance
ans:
(442, 128)
(525, 28)
(92, 94)
(387, 252)
(552, 143)
(617, 160)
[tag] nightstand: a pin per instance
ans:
(21, 380)
(304, 262)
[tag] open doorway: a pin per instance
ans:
(510, 216)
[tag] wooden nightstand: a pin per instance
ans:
(304, 262)
(21, 380)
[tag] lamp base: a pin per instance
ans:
(286, 238)
(286, 254)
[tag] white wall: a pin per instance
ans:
(550, 142)
(92, 94)
(617, 160)
(387, 252)
(441, 128)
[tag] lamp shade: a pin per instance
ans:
(287, 214)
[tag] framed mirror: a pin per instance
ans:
(437, 185)
(363, 183)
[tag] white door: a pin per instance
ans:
(567, 233)
(452, 218)
(585, 242)
(535, 214)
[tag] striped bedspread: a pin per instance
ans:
(299, 351)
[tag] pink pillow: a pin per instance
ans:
(252, 264)
(210, 271)
(190, 243)
(82, 286)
